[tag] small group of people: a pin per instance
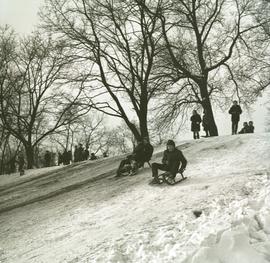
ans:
(248, 127)
(65, 158)
(196, 124)
(16, 160)
(235, 112)
(80, 154)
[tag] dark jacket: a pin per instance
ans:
(243, 130)
(195, 122)
(235, 111)
(173, 160)
(143, 152)
(205, 122)
(250, 129)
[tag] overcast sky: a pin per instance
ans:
(22, 15)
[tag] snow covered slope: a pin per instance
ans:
(82, 214)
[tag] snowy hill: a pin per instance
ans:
(81, 213)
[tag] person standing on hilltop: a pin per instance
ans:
(205, 124)
(235, 111)
(195, 124)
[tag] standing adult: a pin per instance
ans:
(47, 159)
(195, 124)
(80, 153)
(21, 163)
(76, 154)
(205, 123)
(86, 153)
(235, 111)
(66, 160)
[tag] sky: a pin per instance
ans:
(22, 15)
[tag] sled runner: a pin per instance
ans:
(166, 178)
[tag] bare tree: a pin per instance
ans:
(116, 44)
(34, 99)
(205, 41)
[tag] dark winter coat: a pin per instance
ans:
(235, 111)
(205, 122)
(195, 122)
(250, 129)
(173, 160)
(21, 161)
(243, 130)
(86, 154)
(143, 152)
(65, 158)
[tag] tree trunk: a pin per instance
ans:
(143, 125)
(134, 130)
(206, 104)
(29, 150)
(210, 117)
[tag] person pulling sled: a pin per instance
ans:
(172, 158)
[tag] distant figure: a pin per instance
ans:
(195, 124)
(86, 153)
(60, 158)
(21, 163)
(105, 154)
(172, 157)
(235, 111)
(93, 157)
(66, 159)
(76, 154)
(251, 128)
(12, 165)
(80, 153)
(47, 159)
(69, 156)
(205, 123)
(244, 129)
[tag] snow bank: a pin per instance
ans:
(247, 239)
(226, 232)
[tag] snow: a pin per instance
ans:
(81, 213)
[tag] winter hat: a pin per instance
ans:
(171, 142)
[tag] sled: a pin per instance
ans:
(166, 178)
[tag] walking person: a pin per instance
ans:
(195, 124)
(235, 111)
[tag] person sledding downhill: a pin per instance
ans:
(142, 153)
(172, 157)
